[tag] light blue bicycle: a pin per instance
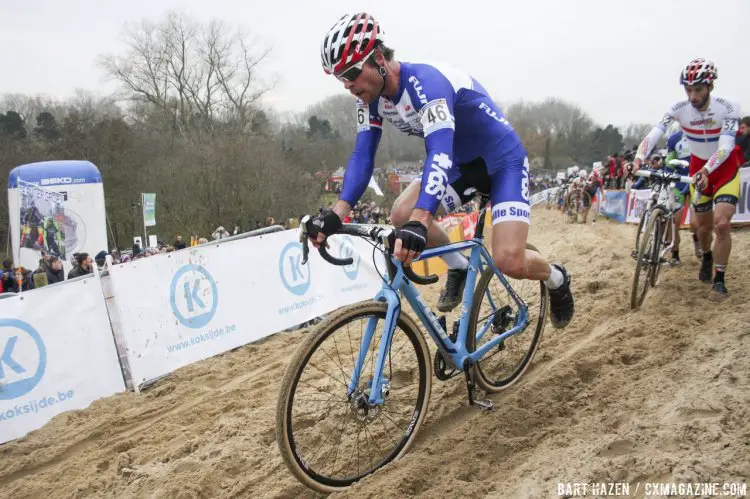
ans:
(356, 392)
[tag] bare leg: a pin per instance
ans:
(402, 210)
(510, 255)
(722, 216)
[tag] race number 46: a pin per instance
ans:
(436, 116)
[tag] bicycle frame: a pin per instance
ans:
(666, 199)
(454, 352)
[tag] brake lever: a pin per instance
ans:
(303, 239)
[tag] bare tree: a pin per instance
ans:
(635, 132)
(193, 74)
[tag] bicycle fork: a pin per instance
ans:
(378, 385)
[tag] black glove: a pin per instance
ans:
(413, 236)
(328, 223)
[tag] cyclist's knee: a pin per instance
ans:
(400, 213)
(511, 263)
(721, 226)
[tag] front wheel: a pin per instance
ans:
(493, 313)
(648, 252)
(330, 438)
(664, 224)
(571, 206)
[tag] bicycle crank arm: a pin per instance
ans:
(483, 404)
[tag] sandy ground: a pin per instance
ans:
(657, 395)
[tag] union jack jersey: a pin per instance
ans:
(703, 129)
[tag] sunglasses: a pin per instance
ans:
(352, 72)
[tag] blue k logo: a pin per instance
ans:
(23, 360)
(193, 296)
(294, 275)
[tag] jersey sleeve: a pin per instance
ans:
(658, 131)
(433, 97)
(362, 160)
(726, 140)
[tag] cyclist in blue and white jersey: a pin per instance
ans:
(678, 147)
(468, 143)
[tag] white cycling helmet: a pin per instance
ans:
(582, 174)
(699, 71)
(351, 40)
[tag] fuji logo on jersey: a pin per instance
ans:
(418, 87)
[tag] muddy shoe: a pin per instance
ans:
(719, 290)
(561, 306)
(452, 294)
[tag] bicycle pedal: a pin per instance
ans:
(484, 404)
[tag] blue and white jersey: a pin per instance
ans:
(457, 119)
(680, 145)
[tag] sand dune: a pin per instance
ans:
(661, 394)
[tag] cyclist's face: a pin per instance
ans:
(744, 129)
(366, 86)
(697, 95)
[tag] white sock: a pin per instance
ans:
(556, 278)
(455, 261)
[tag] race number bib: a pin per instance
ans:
(363, 117)
(435, 115)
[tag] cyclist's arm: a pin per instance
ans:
(434, 102)
(726, 143)
(362, 160)
(656, 133)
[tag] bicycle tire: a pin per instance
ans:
(582, 207)
(571, 209)
(644, 217)
(482, 376)
(645, 249)
(285, 437)
(659, 265)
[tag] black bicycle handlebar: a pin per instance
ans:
(387, 236)
(663, 176)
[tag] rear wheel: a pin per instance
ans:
(495, 312)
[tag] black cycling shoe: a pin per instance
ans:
(452, 293)
(719, 288)
(705, 274)
(561, 306)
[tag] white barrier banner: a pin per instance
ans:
(57, 354)
(178, 308)
(743, 206)
(541, 196)
(637, 202)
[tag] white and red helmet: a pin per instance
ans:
(351, 40)
(699, 71)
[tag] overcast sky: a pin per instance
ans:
(618, 59)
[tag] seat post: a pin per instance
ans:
(479, 231)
